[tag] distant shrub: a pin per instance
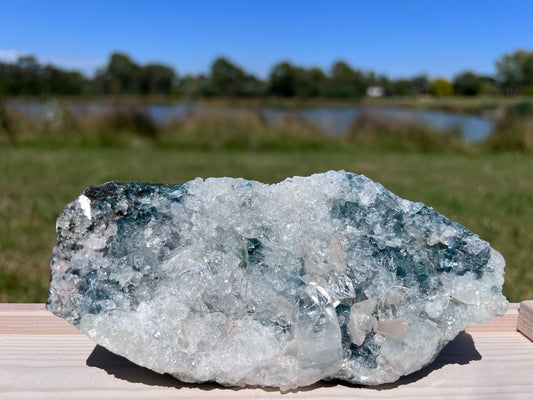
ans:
(241, 132)
(373, 131)
(512, 136)
(527, 90)
(514, 131)
(467, 84)
(519, 110)
(441, 87)
(133, 120)
(6, 133)
(490, 89)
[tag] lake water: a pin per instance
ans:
(330, 120)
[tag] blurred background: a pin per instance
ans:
(432, 99)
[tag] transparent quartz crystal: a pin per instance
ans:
(242, 283)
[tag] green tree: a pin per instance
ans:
(122, 75)
(441, 87)
(227, 77)
(308, 82)
(489, 86)
(56, 81)
(400, 87)
(196, 86)
(282, 80)
(345, 81)
(373, 79)
(467, 83)
(419, 85)
(10, 84)
(288, 80)
(252, 86)
(312, 82)
(515, 71)
(156, 79)
(26, 76)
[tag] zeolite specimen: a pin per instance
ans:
(242, 283)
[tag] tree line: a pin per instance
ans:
(123, 76)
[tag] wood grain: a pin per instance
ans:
(32, 319)
(43, 357)
(525, 318)
(507, 323)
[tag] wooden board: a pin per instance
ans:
(525, 321)
(43, 357)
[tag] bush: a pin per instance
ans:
(241, 132)
(515, 131)
(6, 133)
(467, 84)
(132, 120)
(527, 90)
(519, 110)
(490, 89)
(441, 88)
(373, 131)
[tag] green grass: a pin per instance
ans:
(490, 194)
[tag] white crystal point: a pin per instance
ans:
(242, 283)
(361, 320)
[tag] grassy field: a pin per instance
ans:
(490, 194)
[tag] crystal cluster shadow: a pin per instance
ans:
(460, 351)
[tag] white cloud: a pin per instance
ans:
(7, 55)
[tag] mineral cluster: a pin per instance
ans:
(323, 277)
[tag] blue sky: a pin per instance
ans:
(398, 38)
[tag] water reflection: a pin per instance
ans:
(330, 120)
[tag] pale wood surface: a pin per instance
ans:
(525, 321)
(43, 357)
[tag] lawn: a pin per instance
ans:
(491, 194)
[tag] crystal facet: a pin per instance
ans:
(242, 283)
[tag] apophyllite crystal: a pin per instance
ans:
(242, 283)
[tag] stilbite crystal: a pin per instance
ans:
(242, 283)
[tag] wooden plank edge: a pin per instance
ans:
(25, 308)
(525, 319)
(32, 319)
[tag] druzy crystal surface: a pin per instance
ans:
(234, 281)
